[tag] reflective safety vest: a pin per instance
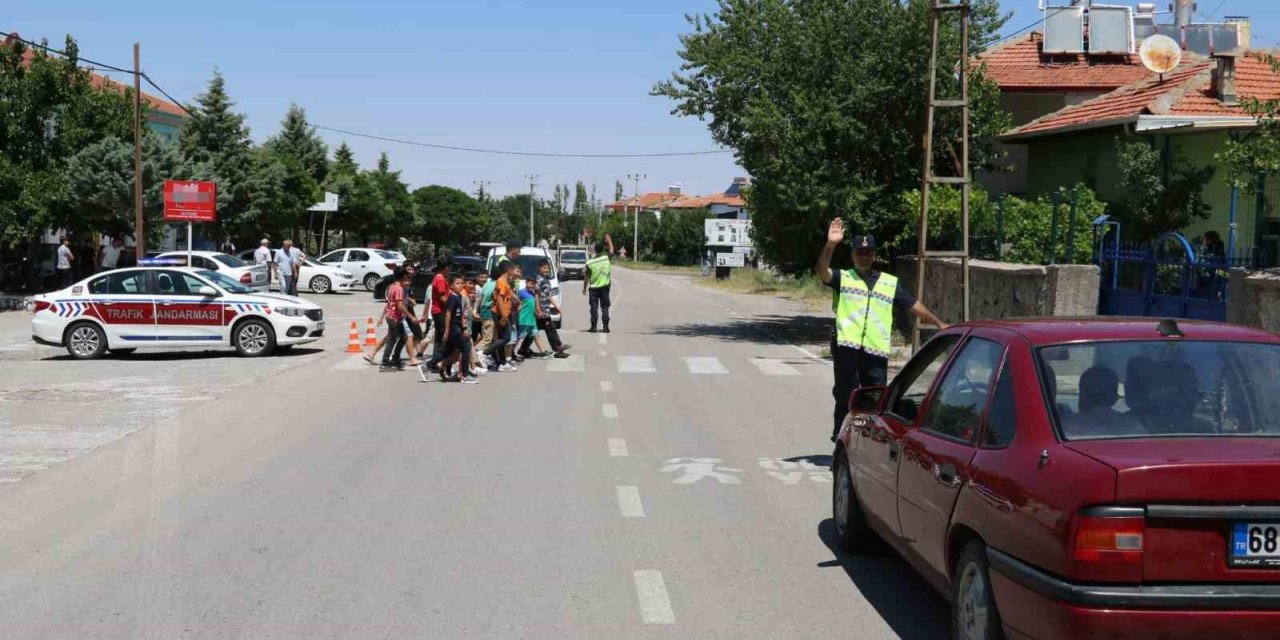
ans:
(864, 317)
(601, 269)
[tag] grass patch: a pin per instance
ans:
(642, 265)
(807, 289)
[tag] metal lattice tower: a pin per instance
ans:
(937, 13)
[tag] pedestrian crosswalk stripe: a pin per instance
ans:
(703, 365)
(606, 386)
(609, 410)
(618, 448)
(629, 502)
(655, 605)
(774, 367)
(573, 364)
(636, 364)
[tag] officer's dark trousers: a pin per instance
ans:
(599, 304)
(853, 368)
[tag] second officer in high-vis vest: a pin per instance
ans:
(864, 301)
(599, 279)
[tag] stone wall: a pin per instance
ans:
(1004, 290)
(1253, 299)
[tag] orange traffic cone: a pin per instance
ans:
(353, 344)
(370, 334)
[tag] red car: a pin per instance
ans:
(1072, 478)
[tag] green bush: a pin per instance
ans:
(1028, 224)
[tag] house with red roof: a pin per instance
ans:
(162, 116)
(729, 204)
(1191, 109)
(1034, 83)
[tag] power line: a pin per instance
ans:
(62, 53)
(537, 154)
(416, 143)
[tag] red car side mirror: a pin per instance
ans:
(866, 398)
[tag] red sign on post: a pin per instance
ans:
(190, 201)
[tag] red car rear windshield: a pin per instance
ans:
(1167, 388)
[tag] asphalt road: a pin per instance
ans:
(669, 481)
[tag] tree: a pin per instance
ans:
(215, 145)
(101, 176)
(395, 212)
(1258, 151)
(823, 104)
(298, 140)
(450, 218)
(51, 112)
(617, 191)
(581, 202)
(1158, 193)
(280, 189)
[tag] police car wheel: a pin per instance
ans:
(254, 338)
(371, 281)
(321, 284)
(86, 341)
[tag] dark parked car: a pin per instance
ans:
(1078, 478)
(467, 266)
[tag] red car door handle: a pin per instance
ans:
(946, 475)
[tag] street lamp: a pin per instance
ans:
(533, 179)
(635, 242)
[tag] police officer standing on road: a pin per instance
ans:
(598, 279)
(864, 304)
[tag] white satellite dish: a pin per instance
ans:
(1160, 54)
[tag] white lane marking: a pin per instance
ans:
(609, 410)
(618, 448)
(606, 386)
(629, 502)
(603, 354)
(604, 338)
(709, 366)
(655, 605)
(774, 367)
(636, 364)
(573, 364)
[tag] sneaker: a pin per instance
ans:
(387, 368)
(564, 347)
(517, 359)
(606, 330)
(506, 368)
(493, 368)
(433, 368)
(470, 380)
(479, 372)
(591, 330)
(561, 356)
(422, 371)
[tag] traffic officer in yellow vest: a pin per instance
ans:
(864, 301)
(598, 279)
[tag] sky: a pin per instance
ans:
(566, 76)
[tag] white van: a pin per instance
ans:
(529, 259)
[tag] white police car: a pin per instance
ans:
(159, 307)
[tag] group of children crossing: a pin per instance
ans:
(487, 324)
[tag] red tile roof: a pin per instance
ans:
(1185, 91)
(648, 201)
(100, 82)
(702, 202)
(1018, 65)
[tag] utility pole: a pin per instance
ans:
(480, 185)
(533, 180)
(635, 242)
(139, 229)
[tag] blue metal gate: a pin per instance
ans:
(1163, 278)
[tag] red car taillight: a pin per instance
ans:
(246, 278)
(41, 305)
(392, 266)
(1108, 548)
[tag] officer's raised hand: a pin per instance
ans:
(835, 232)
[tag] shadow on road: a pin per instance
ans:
(798, 329)
(817, 460)
(170, 356)
(906, 602)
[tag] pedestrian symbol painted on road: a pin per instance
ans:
(793, 471)
(695, 469)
